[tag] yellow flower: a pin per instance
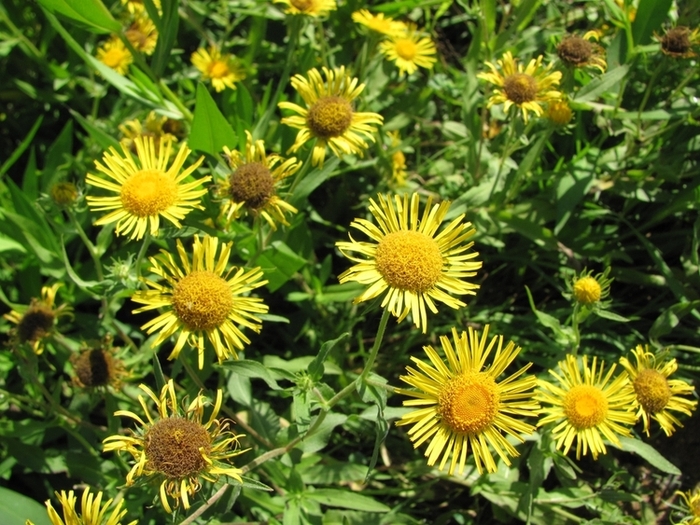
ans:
(409, 50)
(174, 447)
(64, 193)
(329, 116)
(408, 260)
(93, 512)
(254, 182)
(559, 112)
(678, 41)
(576, 51)
(524, 87)
(463, 405)
(379, 22)
(587, 406)
(161, 128)
(313, 8)
(136, 7)
(222, 69)
(589, 290)
(202, 297)
(145, 191)
(36, 321)
(142, 34)
(656, 393)
(692, 500)
(398, 160)
(114, 54)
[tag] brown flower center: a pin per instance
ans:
(520, 88)
(574, 50)
(252, 184)
(35, 323)
(676, 41)
(329, 117)
(409, 260)
(202, 300)
(175, 447)
(469, 403)
(652, 390)
(148, 192)
(92, 367)
(302, 5)
(585, 406)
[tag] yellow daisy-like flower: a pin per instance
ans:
(93, 512)
(142, 34)
(222, 69)
(147, 190)
(202, 297)
(678, 41)
(559, 112)
(658, 395)
(379, 22)
(409, 260)
(329, 116)
(692, 500)
(463, 405)
(161, 128)
(589, 290)
(254, 183)
(587, 406)
(313, 8)
(524, 87)
(36, 321)
(136, 7)
(576, 51)
(114, 54)
(174, 447)
(409, 50)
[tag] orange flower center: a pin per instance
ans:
(652, 390)
(406, 48)
(409, 260)
(585, 406)
(176, 447)
(218, 69)
(302, 5)
(202, 300)
(148, 192)
(469, 403)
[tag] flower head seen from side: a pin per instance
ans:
(202, 297)
(691, 499)
(145, 190)
(589, 290)
(329, 117)
(587, 405)
(64, 194)
(161, 128)
(678, 42)
(97, 367)
(409, 260)
(409, 50)
(524, 87)
(175, 447)
(255, 181)
(462, 404)
(93, 512)
(142, 34)
(658, 395)
(313, 8)
(114, 54)
(36, 322)
(222, 69)
(579, 52)
(559, 112)
(136, 7)
(379, 23)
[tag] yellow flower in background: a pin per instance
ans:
(175, 447)
(559, 112)
(114, 54)
(136, 7)
(160, 128)
(678, 42)
(463, 405)
(587, 406)
(524, 87)
(254, 182)
(93, 512)
(590, 290)
(576, 51)
(142, 34)
(201, 298)
(409, 260)
(313, 8)
(222, 69)
(36, 322)
(379, 22)
(147, 190)
(409, 50)
(329, 117)
(658, 395)
(692, 501)
(398, 160)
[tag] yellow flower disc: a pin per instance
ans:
(175, 446)
(652, 390)
(587, 290)
(35, 323)
(559, 112)
(302, 5)
(520, 88)
(329, 117)
(148, 193)
(406, 48)
(252, 184)
(409, 260)
(218, 69)
(575, 50)
(585, 406)
(469, 403)
(202, 300)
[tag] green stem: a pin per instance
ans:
(575, 328)
(375, 347)
(92, 249)
(504, 156)
(172, 97)
(142, 253)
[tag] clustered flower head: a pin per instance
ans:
(589, 290)
(679, 41)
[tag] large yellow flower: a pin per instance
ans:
(587, 406)
(525, 87)
(463, 405)
(174, 447)
(93, 512)
(329, 116)
(409, 50)
(692, 501)
(313, 8)
(114, 54)
(36, 321)
(253, 184)
(379, 22)
(409, 260)
(147, 190)
(656, 393)
(222, 69)
(202, 297)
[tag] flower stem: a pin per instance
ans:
(575, 328)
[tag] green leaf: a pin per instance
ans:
(59, 153)
(279, 263)
(650, 454)
(90, 13)
(320, 438)
(540, 235)
(669, 319)
(606, 314)
(316, 367)
(16, 509)
(210, 129)
(22, 147)
(346, 500)
(248, 368)
(167, 25)
(313, 180)
(597, 86)
(649, 17)
(254, 484)
(104, 140)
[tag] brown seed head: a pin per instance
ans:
(175, 447)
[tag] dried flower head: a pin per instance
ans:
(579, 52)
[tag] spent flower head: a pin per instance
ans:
(96, 366)
(678, 42)
(579, 52)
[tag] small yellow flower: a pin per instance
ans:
(145, 191)
(692, 501)
(409, 50)
(93, 512)
(678, 41)
(136, 7)
(559, 112)
(656, 393)
(36, 322)
(524, 87)
(587, 406)
(222, 69)
(589, 290)
(379, 22)
(329, 117)
(576, 51)
(161, 128)
(174, 446)
(64, 193)
(314, 8)
(114, 54)
(142, 34)
(398, 160)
